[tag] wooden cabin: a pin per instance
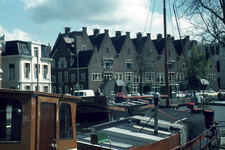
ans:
(31, 120)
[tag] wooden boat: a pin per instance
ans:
(31, 120)
(177, 129)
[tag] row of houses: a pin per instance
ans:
(81, 61)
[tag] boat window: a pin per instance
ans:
(66, 129)
(10, 120)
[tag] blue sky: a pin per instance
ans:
(43, 20)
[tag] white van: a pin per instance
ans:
(84, 93)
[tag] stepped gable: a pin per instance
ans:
(96, 38)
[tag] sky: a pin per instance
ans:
(43, 20)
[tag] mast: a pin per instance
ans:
(166, 56)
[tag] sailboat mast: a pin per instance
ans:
(166, 56)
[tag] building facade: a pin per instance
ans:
(26, 65)
(139, 62)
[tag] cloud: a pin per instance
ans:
(16, 34)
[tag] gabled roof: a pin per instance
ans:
(139, 43)
(159, 45)
(118, 42)
(178, 45)
(16, 48)
(84, 58)
(97, 40)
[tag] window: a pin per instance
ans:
(119, 75)
(66, 89)
(35, 51)
(217, 50)
(45, 71)
(128, 51)
(65, 122)
(212, 49)
(36, 70)
(11, 71)
(72, 77)
(53, 89)
(27, 70)
(10, 120)
(160, 77)
(171, 64)
(82, 76)
(53, 64)
(66, 76)
(180, 76)
(128, 64)
(189, 53)
(171, 76)
(108, 63)
(108, 76)
(53, 78)
(218, 66)
(96, 77)
(62, 63)
(149, 76)
(83, 47)
(134, 88)
(184, 66)
(107, 50)
(211, 76)
(46, 89)
(60, 90)
(150, 64)
(129, 76)
(27, 88)
(59, 77)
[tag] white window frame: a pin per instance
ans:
(129, 64)
(82, 77)
(149, 76)
(66, 76)
(108, 63)
(118, 75)
(96, 77)
(27, 70)
(45, 71)
(53, 78)
(129, 76)
(72, 77)
(62, 63)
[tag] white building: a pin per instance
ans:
(21, 61)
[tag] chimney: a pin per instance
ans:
(106, 31)
(172, 38)
(159, 37)
(168, 36)
(187, 38)
(118, 34)
(128, 34)
(149, 35)
(84, 29)
(67, 30)
(96, 32)
(139, 35)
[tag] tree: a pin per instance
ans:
(207, 19)
(197, 65)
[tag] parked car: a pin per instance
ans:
(212, 94)
(84, 93)
(180, 94)
(119, 94)
(149, 94)
(206, 93)
(221, 95)
(135, 94)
